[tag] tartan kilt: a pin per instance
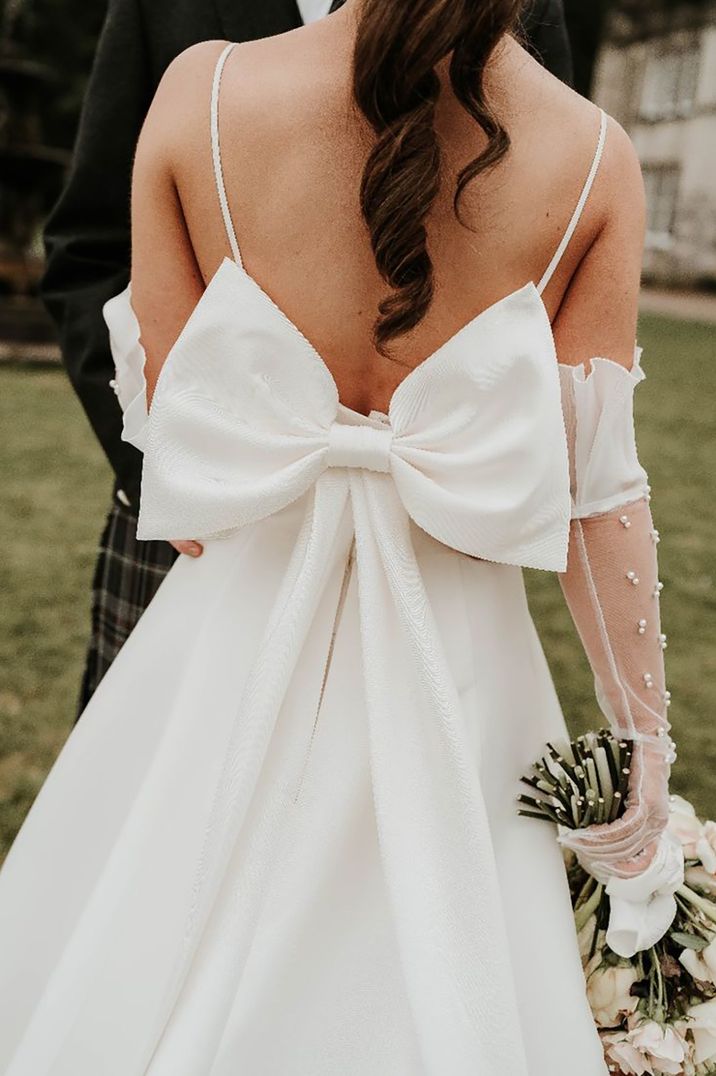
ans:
(127, 576)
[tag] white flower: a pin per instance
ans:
(585, 936)
(706, 847)
(684, 824)
(619, 1051)
(698, 878)
(702, 1022)
(663, 1047)
(701, 965)
(608, 992)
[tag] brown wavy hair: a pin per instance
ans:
(396, 86)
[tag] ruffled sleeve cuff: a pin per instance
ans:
(598, 412)
(129, 383)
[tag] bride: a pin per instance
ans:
(384, 296)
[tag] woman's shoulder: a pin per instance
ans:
(265, 84)
(191, 69)
(182, 96)
(568, 126)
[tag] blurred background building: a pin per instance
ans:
(651, 63)
(656, 74)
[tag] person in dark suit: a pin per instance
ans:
(87, 241)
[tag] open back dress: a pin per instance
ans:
(283, 838)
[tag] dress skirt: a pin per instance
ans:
(302, 974)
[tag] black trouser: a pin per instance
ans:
(126, 578)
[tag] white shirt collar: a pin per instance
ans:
(312, 10)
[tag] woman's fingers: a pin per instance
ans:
(637, 864)
(189, 549)
(628, 840)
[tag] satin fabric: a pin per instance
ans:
(350, 668)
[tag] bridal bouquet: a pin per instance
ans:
(656, 1011)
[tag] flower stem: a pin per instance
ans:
(584, 914)
(706, 907)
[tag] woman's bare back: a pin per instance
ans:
(293, 149)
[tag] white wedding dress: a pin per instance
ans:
(283, 839)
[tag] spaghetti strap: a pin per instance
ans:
(571, 227)
(216, 153)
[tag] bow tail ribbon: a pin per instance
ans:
(432, 823)
(250, 849)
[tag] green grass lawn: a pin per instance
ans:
(54, 491)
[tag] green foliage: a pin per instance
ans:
(54, 489)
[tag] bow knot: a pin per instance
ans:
(359, 446)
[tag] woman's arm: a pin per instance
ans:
(611, 583)
(167, 282)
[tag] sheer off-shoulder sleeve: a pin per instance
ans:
(129, 383)
(612, 588)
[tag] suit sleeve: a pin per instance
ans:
(87, 237)
(545, 27)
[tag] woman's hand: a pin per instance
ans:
(189, 549)
(626, 847)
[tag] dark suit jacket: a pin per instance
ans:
(87, 236)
